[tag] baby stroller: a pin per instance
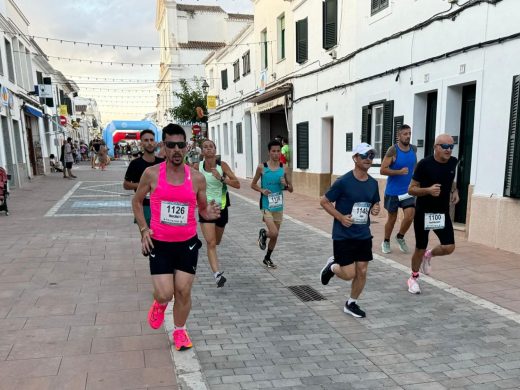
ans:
(4, 177)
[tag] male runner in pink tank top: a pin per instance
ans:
(171, 241)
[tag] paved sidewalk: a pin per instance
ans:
(75, 291)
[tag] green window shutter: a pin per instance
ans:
(398, 122)
(301, 41)
(240, 148)
(388, 126)
(302, 145)
(512, 177)
(378, 5)
(330, 23)
(223, 75)
(349, 142)
(365, 124)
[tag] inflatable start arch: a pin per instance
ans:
(128, 127)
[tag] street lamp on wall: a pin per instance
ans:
(205, 88)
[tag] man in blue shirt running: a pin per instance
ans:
(355, 196)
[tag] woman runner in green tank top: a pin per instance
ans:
(218, 177)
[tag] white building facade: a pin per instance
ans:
(30, 130)
(188, 33)
(354, 71)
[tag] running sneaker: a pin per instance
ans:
(385, 247)
(262, 238)
(156, 314)
(326, 272)
(181, 339)
(426, 264)
(354, 310)
(220, 279)
(413, 286)
(269, 263)
(402, 244)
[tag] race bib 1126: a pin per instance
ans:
(173, 213)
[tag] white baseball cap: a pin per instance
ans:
(362, 148)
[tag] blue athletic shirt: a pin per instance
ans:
(346, 193)
(398, 184)
(271, 181)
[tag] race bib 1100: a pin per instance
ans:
(434, 221)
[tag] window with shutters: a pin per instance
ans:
(240, 147)
(223, 77)
(302, 145)
(512, 176)
(10, 65)
(330, 23)
(263, 43)
(377, 127)
(236, 71)
(246, 66)
(378, 5)
(281, 37)
(301, 41)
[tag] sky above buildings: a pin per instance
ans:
(122, 91)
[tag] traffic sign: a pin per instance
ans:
(63, 120)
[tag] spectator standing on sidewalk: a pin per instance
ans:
(171, 240)
(398, 165)
(69, 158)
(433, 184)
(273, 181)
(355, 196)
(137, 167)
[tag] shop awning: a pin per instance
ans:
(32, 111)
(261, 107)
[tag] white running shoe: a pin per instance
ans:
(413, 286)
(402, 245)
(385, 247)
(426, 264)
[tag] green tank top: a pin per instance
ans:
(215, 190)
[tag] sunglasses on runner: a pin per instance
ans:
(446, 146)
(368, 155)
(173, 144)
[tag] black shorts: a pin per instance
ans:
(220, 222)
(392, 203)
(68, 165)
(446, 235)
(349, 251)
(168, 257)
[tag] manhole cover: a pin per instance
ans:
(306, 293)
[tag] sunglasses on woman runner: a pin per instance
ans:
(173, 144)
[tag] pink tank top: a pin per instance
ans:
(173, 208)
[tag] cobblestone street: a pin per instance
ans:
(74, 293)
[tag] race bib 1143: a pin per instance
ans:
(360, 212)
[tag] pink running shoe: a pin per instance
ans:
(426, 265)
(156, 314)
(181, 339)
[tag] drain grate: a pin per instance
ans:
(306, 293)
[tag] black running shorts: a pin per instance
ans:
(220, 222)
(349, 251)
(168, 257)
(446, 235)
